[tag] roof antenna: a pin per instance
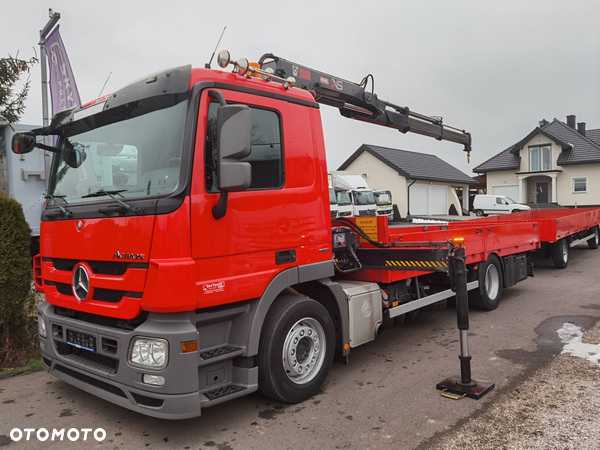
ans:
(207, 65)
(102, 90)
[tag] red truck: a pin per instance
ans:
(188, 256)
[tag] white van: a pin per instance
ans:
(496, 204)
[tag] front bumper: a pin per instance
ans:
(191, 381)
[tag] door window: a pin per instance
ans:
(266, 156)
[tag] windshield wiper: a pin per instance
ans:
(63, 210)
(124, 207)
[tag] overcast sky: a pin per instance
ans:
(493, 68)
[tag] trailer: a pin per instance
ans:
(560, 229)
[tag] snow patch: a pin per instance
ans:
(571, 335)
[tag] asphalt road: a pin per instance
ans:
(384, 398)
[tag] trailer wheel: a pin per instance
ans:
(593, 243)
(487, 296)
(296, 349)
(479, 212)
(560, 254)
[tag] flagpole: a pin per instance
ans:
(54, 16)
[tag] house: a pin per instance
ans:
(555, 163)
(421, 184)
(22, 177)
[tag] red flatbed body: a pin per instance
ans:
(554, 224)
(480, 240)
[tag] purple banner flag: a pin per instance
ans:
(63, 90)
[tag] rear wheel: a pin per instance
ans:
(296, 349)
(479, 213)
(560, 254)
(489, 293)
(593, 242)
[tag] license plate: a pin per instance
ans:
(81, 340)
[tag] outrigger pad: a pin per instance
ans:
(454, 385)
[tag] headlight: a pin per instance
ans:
(149, 353)
(42, 327)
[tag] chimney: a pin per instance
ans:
(581, 128)
(571, 121)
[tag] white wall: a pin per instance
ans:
(565, 194)
(380, 176)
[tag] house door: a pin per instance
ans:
(541, 192)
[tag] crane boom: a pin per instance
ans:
(355, 102)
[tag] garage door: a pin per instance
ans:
(439, 200)
(511, 191)
(418, 200)
(428, 200)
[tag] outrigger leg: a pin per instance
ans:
(463, 385)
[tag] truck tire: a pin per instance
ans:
(296, 349)
(479, 212)
(487, 296)
(593, 242)
(560, 254)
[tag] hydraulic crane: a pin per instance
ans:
(355, 102)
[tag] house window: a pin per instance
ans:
(539, 159)
(580, 185)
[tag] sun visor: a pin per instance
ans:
(172, 81)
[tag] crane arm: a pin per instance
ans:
(355, 102)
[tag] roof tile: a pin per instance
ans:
(416, 166)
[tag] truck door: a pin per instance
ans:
(277, 223)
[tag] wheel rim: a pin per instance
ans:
(304, 350)
(492, 281)
(596, 236)
(565, 252)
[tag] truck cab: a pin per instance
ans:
(383, 199)
(333, 204)
(363, 202)
(344, 201)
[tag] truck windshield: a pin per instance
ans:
(343, 198)
(363, 198)
(383, 198)
(134, 149)
(332, 197)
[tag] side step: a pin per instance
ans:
(215, 355)
(219, 351)
(222, 392)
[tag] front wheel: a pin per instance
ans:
(560, 254)
(296, 349)
(487, 296)
(593, 242)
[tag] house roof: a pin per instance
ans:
(594, 135)
(412, 165)
(576, 148)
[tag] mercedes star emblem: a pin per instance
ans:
(81, 283)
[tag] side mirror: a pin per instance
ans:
(75, 158)
(23, 142)
(234, 132)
